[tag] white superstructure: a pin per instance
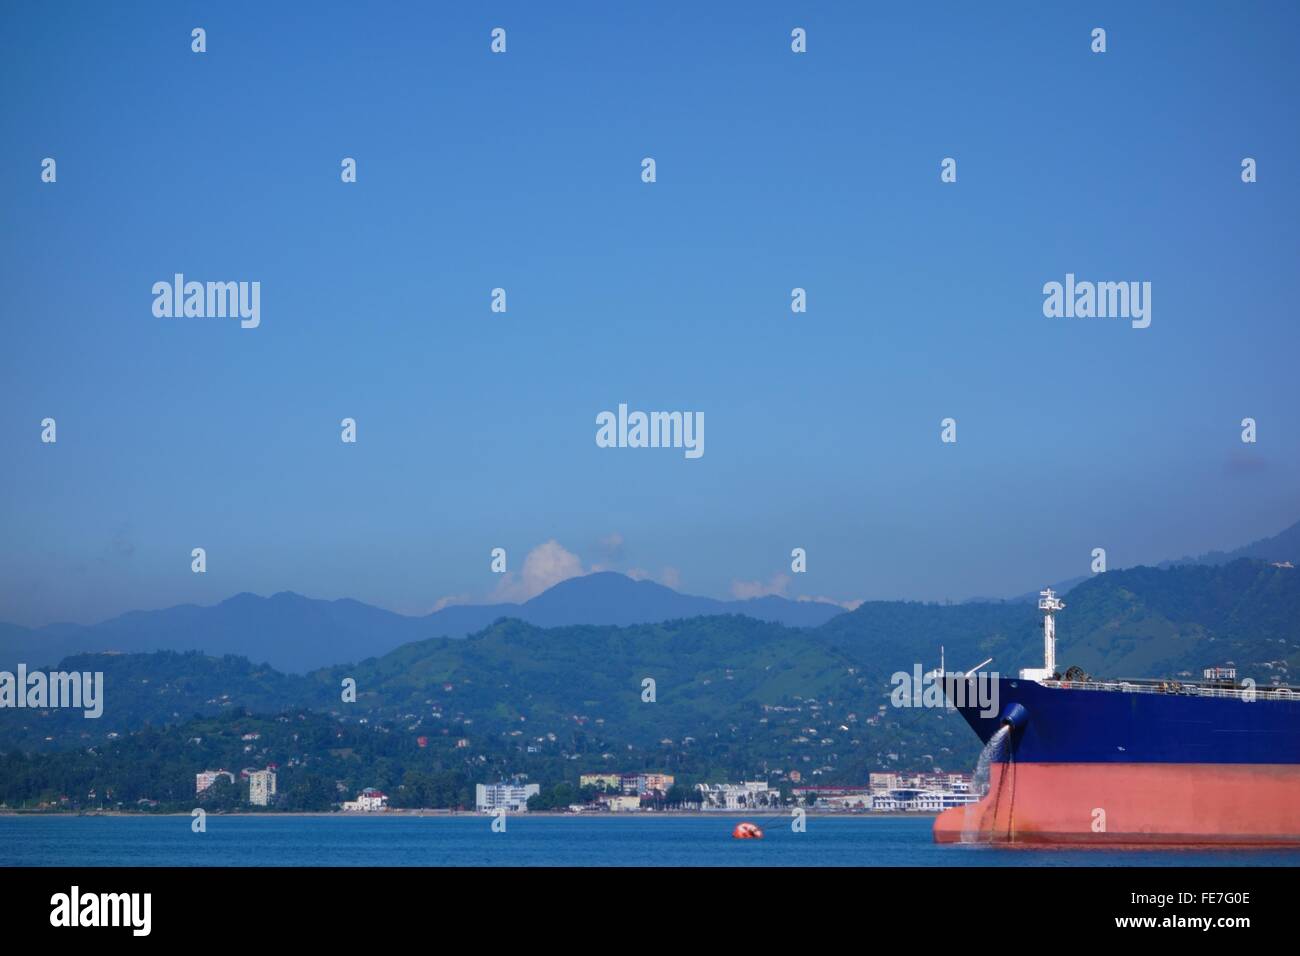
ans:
(1049, 604)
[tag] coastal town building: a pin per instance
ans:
(618, 802)
(631, 784)
(370, 800)
(207, 778)
(642, 784)
(938, 780)
(738, 796)
(893, 793)
(656, 782)
(506, 795)
(920, 801)
(834, 798)
(261, 787)
(920, 792)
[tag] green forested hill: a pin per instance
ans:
(154, 690)
(889, 636)
(1138, 622)
(1145, 622)
(751, 696)
(707, 671)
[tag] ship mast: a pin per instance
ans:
(1049, 604)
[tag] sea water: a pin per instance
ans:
(612, 840)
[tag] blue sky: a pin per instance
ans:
(522, 170)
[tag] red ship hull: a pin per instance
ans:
(1131, 804)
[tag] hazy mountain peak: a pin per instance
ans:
(296, 633)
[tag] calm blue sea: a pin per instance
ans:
(537, 841)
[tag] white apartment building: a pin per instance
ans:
(261, 787)
(510, 796)
(956, 782)
(920, 801)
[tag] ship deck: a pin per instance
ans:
(1179, 688)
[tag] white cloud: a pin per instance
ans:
(545, 566)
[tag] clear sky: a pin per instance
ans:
(523, 171)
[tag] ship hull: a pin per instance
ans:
(1109, 767)
(1131, 804)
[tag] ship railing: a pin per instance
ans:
(1185, 690)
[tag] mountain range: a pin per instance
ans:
(1283, 546)
(297, 634)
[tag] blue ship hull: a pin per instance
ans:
(1070, 725)
(1133, 766)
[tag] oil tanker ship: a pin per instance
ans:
(1072, 759)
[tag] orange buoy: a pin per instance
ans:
(747, 831)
